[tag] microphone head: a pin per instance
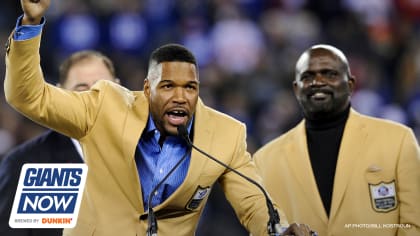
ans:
(182, 131)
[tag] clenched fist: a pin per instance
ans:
(33, 11)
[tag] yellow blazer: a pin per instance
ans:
(373, 153)
(108, 121)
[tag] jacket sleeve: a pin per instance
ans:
(71, 113)
(247, 199)
(409, 185)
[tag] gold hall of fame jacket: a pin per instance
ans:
(108, 121)
(376, 186)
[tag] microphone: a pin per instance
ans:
(273, 225)
(152, 225)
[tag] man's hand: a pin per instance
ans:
(299, 230)
(33, 11)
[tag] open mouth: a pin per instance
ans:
(177, 117)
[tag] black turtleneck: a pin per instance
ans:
(324, 138)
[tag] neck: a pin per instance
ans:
(326, 122)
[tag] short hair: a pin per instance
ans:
(172, 52)
(81, 56)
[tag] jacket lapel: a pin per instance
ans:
(202, 139)
(302, 169)
(348, 159)
(134, 126)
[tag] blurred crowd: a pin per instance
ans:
(246, 50)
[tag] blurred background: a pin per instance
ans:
(246, 50)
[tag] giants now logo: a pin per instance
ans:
(48, 196)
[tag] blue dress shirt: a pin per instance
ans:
(24, 32)
(154, 162)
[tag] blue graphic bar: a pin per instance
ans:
(47, 203)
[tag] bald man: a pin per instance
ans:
(341, 172)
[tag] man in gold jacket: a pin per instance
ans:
(130, 143)
(341, 172)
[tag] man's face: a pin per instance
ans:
(322, 86)
(82, 75)
(172, 90)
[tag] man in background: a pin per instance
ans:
(77, 73)
(341, 172)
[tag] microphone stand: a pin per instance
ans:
(273, 225)
(151, 218)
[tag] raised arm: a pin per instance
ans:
(24, 85)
